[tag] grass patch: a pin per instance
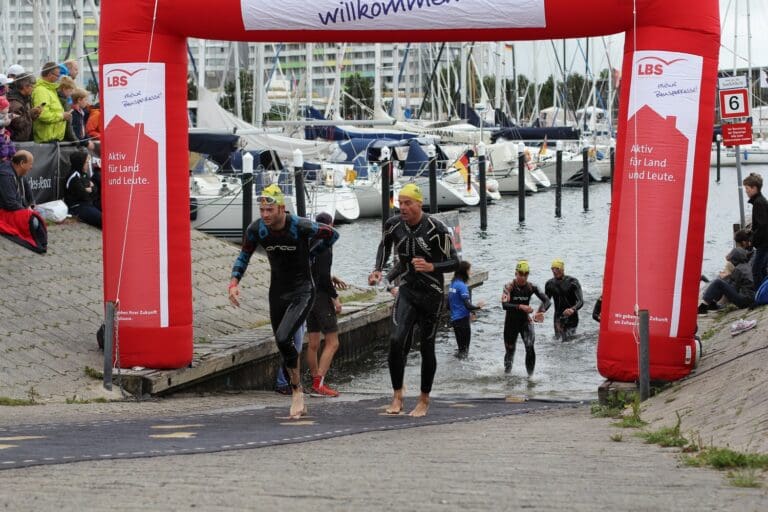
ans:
(668, 436)
(202, 340)
(260, 323)
(744, 478)
(617, 438)
(12, 402)
(725, 458)
(75, 400)
(358, 297)
(614, 406)
(93, 373)
(633, 420)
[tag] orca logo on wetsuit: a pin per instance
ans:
(280, 248)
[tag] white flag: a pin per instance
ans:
(763, 79)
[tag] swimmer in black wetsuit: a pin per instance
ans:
(286, 239)
(516, 302)
(425, 251)
(565, 292)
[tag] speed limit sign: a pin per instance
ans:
(733, 103)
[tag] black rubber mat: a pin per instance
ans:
(32, 445)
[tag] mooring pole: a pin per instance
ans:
(109, 329)
(559, 179)
(613, 165)
(385, 184)
(521, 182)
(644, 356)
(247, 189)
(585, 177)
(432, 154)
(481, 157)
(298, 182)
(719, 143)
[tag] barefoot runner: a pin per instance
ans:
(425, 251)
(286, 238)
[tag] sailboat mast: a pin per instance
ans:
(463, 80)
(53, 26)
(309, 58)
(499, 74)
(376, 76)
(258, 84)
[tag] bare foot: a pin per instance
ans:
(396, 407)
(421, 408)
(298, 409)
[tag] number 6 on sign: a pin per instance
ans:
(733, 103)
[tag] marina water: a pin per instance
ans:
(563, 370)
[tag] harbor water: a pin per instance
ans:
(563, 370)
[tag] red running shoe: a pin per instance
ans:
(319, 387)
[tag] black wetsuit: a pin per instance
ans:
(420, 296)
(565, 293)
(517, 322)
(291, 290)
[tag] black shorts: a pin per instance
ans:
(322, 317)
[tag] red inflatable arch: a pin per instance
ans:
(657, 216)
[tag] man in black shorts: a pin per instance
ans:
(286, 239)
(425, 251)
(322, 318)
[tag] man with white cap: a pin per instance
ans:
(425, 252)
(5, 82)
(14, 71)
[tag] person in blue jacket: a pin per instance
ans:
(462, 309)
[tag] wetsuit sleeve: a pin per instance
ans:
(250, 242)
(576, 288)
(323, 262)
(597, 309)
(321, 236)
(450, 260)
(385, 246)
(545, 302)
(508, 305)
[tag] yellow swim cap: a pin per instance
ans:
(412, 191)
(558, 263)
(272, 195)
(523, 267)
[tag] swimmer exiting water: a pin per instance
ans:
(516, 301)
(565, 292)
(286, 239)
(425, 252)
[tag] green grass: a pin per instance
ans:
(633, 420)
(93, 373)
(614, 406)
(617, 438)
(725, 458)
(666, 436)
(12, 402)
(358, 297)
(744, 478)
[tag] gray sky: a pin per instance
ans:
(611, 48)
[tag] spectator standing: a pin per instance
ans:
(80, 116)
(93, 126)
(14, 71)
(20, 99)
(7, 149)
(753, 186)
(73, 68)
(51, 124)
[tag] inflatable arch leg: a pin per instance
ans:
(665, 127)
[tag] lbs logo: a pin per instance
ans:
(120, 77)
(653, 66)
